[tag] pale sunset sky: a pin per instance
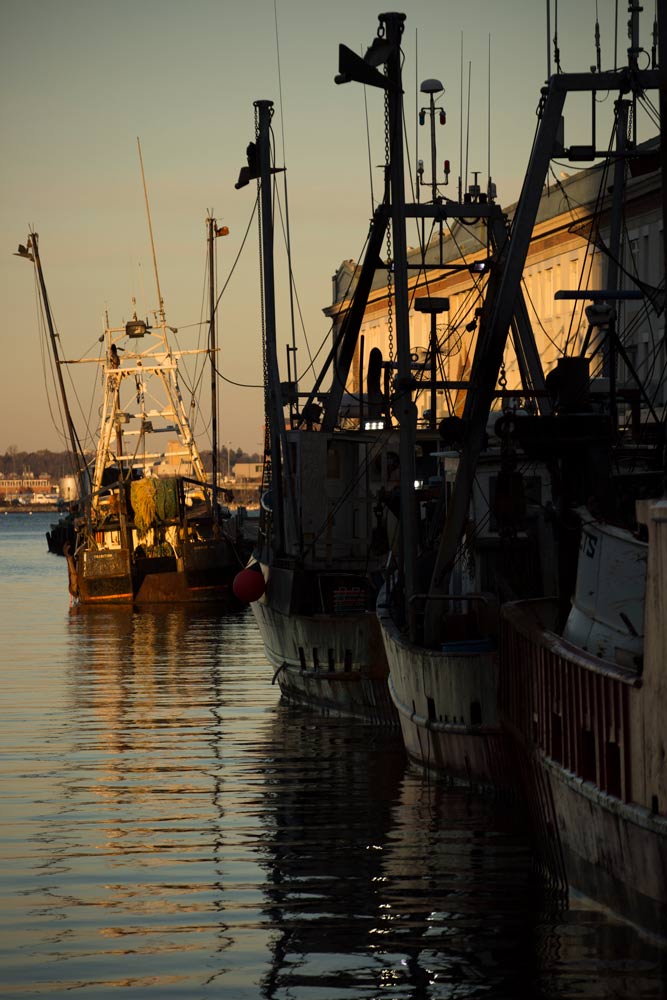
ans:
(81, 79)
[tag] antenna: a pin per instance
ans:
(598, 59)
(548, 39)
(461, 128)
(556, 48)
(468, 124)
(488, 131)
(150, 230)
(416, 110)
(368, 148)
(288, 238)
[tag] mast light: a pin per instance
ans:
(431, 86)
(136, 328)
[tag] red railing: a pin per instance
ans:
(571, 705)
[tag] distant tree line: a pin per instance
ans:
(40, 463)
(57, 464)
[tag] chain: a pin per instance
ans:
(629, 128)
(502, 379)
(390, 273)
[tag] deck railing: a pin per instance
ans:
(571, 705)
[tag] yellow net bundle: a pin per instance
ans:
(153, 501)
(144, 504)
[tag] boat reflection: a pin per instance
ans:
(378, 879)
(199, 837)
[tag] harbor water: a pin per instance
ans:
(171, 829)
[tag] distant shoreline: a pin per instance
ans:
(31, 508)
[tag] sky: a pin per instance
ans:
(80, 80)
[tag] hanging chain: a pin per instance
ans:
(502, 378)
(390, 263)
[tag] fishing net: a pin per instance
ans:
(154, 501)
(166, 499)
(144, 504)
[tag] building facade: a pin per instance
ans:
(568, 253)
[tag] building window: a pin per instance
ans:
(548, 292)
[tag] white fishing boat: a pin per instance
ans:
(149, 525)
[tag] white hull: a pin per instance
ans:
(446, 703)
(333, 663)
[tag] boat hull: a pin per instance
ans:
(612, 851)
(571, 718)
(334, 663)
(112, 577)
(446, 703)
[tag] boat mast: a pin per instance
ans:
(662, 91)
(210, 222)
(31, 252)
(391, 27)
(274, 409)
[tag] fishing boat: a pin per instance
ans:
(323, 535)
(438, 609)
(149, 525)
(583, 682)
(342, 469)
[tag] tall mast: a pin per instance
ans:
(385, 51)
(210, 222)
(32, 253)
(404, 405)
(275, 414)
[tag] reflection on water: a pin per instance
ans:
(170, 830)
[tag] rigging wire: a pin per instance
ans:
(238, 255)
(48, 365)
(284, 224)
(288, 241)
(368, 146)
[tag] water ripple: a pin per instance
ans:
(169, 829)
